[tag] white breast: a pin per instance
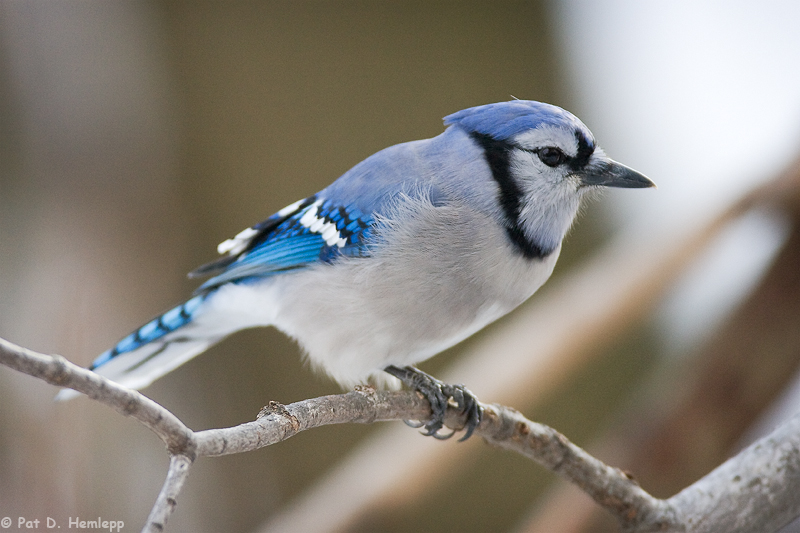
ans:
(435, 279)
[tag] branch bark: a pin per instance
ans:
(754, 489)
(757, 490)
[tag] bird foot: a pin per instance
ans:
(440, 394)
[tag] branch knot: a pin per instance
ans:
(277, 408)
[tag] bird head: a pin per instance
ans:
(543, 160)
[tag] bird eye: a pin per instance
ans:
(551, 156)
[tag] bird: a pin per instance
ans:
(406, 254)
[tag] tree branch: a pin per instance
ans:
(757, 490)
(613, 489)
(745, 493)
(276, 422)
(56, 370)
(179, 466)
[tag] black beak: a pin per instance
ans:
(609, 173)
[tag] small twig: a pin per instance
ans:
(179, 466)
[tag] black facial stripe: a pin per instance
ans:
(585, 151)
(497, 156)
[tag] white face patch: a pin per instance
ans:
(549, 195)
(546, 135)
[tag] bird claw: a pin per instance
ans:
(417, 424)
(440, 436)
(439, 395)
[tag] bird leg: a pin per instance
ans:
(439, 394)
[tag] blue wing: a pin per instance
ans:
(306, 232)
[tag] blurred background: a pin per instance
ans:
(135, 136)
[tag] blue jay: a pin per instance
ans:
(409, 252)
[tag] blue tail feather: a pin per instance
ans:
(164, 324)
